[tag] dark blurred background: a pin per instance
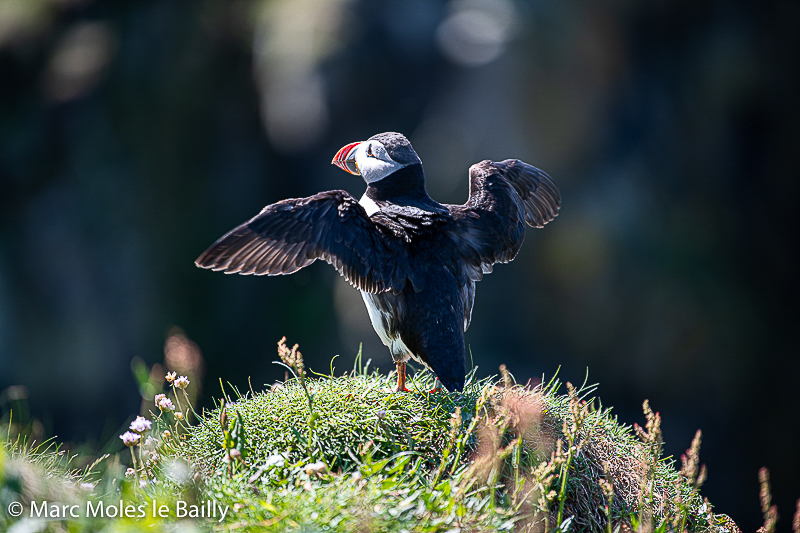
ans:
(133, 134)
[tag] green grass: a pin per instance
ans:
(349, 454)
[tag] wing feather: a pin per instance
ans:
(289, 235)
(503, 197)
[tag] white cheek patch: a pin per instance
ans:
(373, 169)
(369, 205)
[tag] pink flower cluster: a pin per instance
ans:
(164, 403)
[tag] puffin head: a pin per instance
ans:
(377, 157)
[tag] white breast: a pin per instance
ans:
(369, 205)
(380, 319)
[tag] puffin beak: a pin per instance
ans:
(346, 159)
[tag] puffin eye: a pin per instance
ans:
(369, 151)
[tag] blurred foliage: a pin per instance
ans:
(133, 134)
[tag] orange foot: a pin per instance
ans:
(401, 378)
(436, 387)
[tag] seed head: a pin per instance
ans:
(690, 463)
(291, 358)
(605, 483)
(770, 511)
(607, 488)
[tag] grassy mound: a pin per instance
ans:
(492, 457)
(349, 454)
(346, 416)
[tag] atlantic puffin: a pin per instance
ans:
(414, 260)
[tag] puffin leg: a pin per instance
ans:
(401, 377)
(437, 386)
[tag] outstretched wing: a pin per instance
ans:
(291, 234)
(502, 198)
(539, 194)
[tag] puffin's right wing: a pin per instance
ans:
(502, 198)
(291, 234)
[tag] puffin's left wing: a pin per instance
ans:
(502, 198)
(289, 235)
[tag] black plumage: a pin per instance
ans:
(414, 260)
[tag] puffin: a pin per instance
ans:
(415, 261)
